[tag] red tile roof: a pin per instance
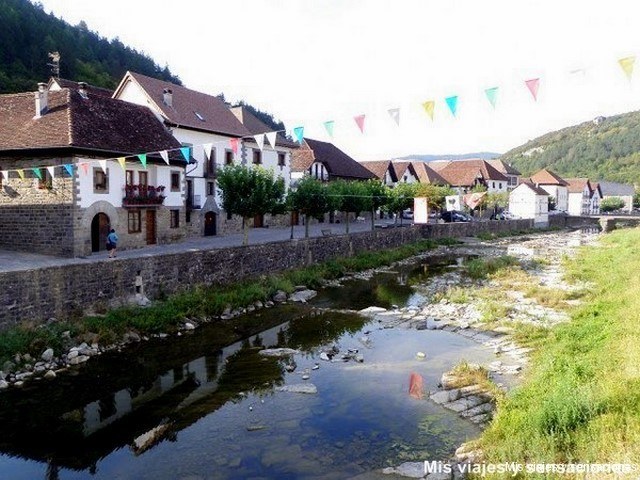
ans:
(576, 185)
(536, 189)
(463, 173)
(338, 163)
(64, 83)
(379, 168)
(547, 177)
(427, 175)
(503, 167)
(187, 104)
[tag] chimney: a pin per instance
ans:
(42, 100)
(167, 97)
(82, 88)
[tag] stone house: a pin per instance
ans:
(555, 186)
(618, 190)
(530, 201)
(62, 185)
(579, 193)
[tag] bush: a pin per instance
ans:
(611, 204)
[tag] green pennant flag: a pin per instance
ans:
(143, 159)
(492, 95)
(37, 172)
(328, 126)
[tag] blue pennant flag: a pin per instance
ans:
(185, 153)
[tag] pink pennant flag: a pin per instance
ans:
(85, 167)
(533, 85)
(234, 145)
(360, 122)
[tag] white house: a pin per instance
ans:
(579, 193)
(512, 174)
(618, 190)
(594, 201)
(530, 201)
(555, 186)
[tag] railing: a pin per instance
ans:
(143, 195)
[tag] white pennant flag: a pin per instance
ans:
(271, 138)
(5, 174)
(103, 165)
(207, 149)
(260, 140)
(165, 156)
(50, 170)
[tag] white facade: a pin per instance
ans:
(560, 193)
(579, 202)
(496, 186)
(524, 202)
(319, 171)
(594, 202)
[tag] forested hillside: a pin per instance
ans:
(608, 149)
(28, 34)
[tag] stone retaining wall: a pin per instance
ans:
(35, 295)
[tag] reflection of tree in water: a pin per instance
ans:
(310, 331)
(390, 294)
(247, 371)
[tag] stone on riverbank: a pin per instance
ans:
(47, 355)
(302, 296)
(280, 296)
(407, 469)
(308, 388)
(278, 352)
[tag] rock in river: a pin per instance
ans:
(47, 355)
(298, 388)
(278, 352)
(302, 296)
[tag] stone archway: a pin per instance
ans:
(100, 226)
(86, 231)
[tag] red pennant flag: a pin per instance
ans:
(360, 122)
(234, 145)
(85, 167)
(533, 85)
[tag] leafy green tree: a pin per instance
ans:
(379, 195)
(349, 197)
(250, 191)
(311, 199)
(434, 194)
(610, 204)
(636, 200)
(401, 198)
(479, 188)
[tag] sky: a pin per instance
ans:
(312, 61)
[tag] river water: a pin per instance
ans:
(193, 408)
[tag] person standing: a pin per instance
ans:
(112, 243)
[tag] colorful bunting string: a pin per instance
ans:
(627, 64)
(259, 140)
(328, 126)
(452, 103)
(429, 107)
(359, 119)
(394, 113)
(271, 138)
(492, 95)
(20, 173)
(298, 132)
(122, 161)
(533, 85)
(37, 173)
(234, 145)
(69, 168)
(186, 153)
(143, 159)
(165, 156)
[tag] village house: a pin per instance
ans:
(555, 186)
(580, 193)
(464, 175)
(594, 201)
(530, 201)
(71, 171)
(618, 190)
(512, 174)
(427, 175)
(391, 172)
(197, 120)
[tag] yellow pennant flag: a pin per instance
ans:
(429, 107)
(626, 64)
(20, 174)
(121, 162)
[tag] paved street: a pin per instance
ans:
(11, 261)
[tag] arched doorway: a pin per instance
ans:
(99, 231)
(209, 224)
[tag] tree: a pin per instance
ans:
(434, 194)
(349, 197)
(311, 199)
(401, 198)
(636, 200)
(610, 204)
(379, 196)
(495, 200)
(250, 191)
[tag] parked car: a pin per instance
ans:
(455, 216)
(505, 216)
(407, 214)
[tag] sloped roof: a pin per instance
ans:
(503, 167)
(64, 83)
(576, 185)
(187, 104)
(463, 173)
(537, 190)
(401, 168)
(98, 123)
(256, 126)
(613, 189)
(547, 177)
(379, 168)
(427, 175)
(338, 163)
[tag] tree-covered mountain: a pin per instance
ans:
(28, 34)
(601, 149)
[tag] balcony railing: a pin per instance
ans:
(142, 195)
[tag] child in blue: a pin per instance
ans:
(112, 243)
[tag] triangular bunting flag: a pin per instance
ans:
(69, 168)
(328, 126)
(429, 107)
(298, 132)
(5, 174)
(627, 66)
(103, 165)
(452, 103)
(492, 95)
(271, 138)
(207, 147)
(85, 167)
(50, 170)
(234, 145)
(122, 162)
(20, 174)
(37, 173)
(533, 85)
(359, 119)
(165, 156)
(394, 113)
(186, 153)
(260, 140)
(143, 159)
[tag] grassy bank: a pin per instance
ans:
(168, 314)
(581, 399)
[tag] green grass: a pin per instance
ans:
(581, 399)
(201, 302)
(481, 268)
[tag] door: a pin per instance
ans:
(151, 227)
(209, 224)
(99, 230)
(258, 221)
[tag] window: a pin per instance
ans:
(129, 177)
(493, 184)
(228, 157)
(175, 181)
(257, 157)
(134, 221)
(100, 181)
(513, 181)
(211, 186)
(175, 218)
(281, 159)
(143, 178)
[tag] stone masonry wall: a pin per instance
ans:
(35, 295)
